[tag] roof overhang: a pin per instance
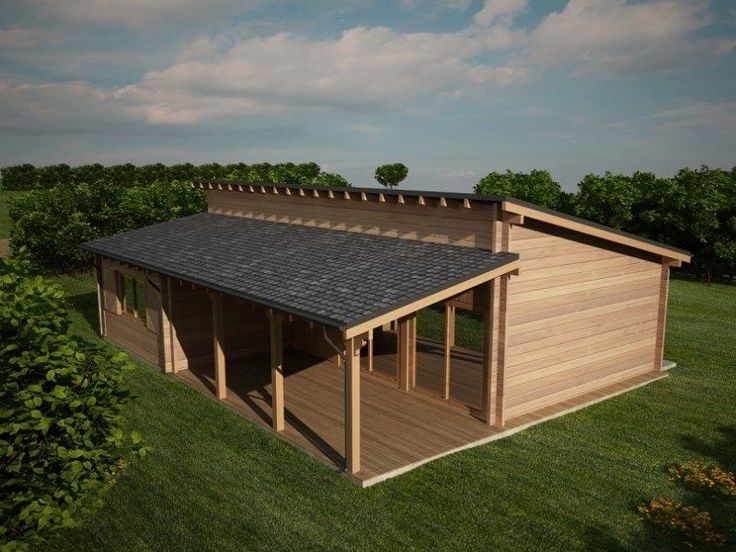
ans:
(524, 209)
(432, 298)
(346, 280)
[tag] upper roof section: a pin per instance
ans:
(460, 201)
(341, 279)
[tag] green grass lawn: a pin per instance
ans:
(216, 482)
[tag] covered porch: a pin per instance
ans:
(287, 325)
(398, 430)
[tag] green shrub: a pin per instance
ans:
(27, 177)
(50, 224)
(19, 177)
(61, 432)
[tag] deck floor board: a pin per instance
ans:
(399, 430)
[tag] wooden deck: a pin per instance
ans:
(400, 431)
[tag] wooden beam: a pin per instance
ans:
(218, 327)
(352, 405)
(502, 347)
(488, 382)
(664, 284)
(166, 357)
(403, 358)
(277, 371)
(100, 297)
(413, 350)
(603, 233)
(370, 351)
(449, 342)
(430, 299)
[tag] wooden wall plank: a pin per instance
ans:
(462, 227)
(580, 316)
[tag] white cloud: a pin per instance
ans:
(704, 115)
(230, 75)
(494, 11)
(22, 38)
(137, 13)
(725, 46)
(363, 68)
(615, 35)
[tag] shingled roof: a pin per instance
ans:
(333, 277)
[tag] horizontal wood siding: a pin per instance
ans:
(191, 316)
(452, 224)
(582, 315)
(131, 333)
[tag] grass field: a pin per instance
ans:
(216, 482)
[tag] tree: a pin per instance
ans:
(536, 187)
(19, 177)
(332, 180)
(391, 174)
(607, 199)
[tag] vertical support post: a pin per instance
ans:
(405, 345)
(370, 350)
(352, 404)
(166, 357)
(277, 371)
(413, 350)
(218, 324)
(489, 374)
(452, 327)
(501, 354)
(100, 296)
(449, 342)
(664, 284)
(119, 292)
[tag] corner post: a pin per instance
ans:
(664, 284)
(277, 371)
(352, 404)
(219, 345)
(489, 374)
(501, 351)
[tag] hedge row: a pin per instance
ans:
(695, 209)
(50, 224)
(62, 436)
(29, 177)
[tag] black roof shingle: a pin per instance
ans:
(329, 276)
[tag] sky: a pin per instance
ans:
(454, 89)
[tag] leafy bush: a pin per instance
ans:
(686, 524)
(61, 433)
(50, 224)
(607, 199)
(700, 477)
(19, 177)
(26, 177)
(536, 187)
(694, 210)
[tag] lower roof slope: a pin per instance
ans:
(329, 276)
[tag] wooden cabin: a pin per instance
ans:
(297, 308)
